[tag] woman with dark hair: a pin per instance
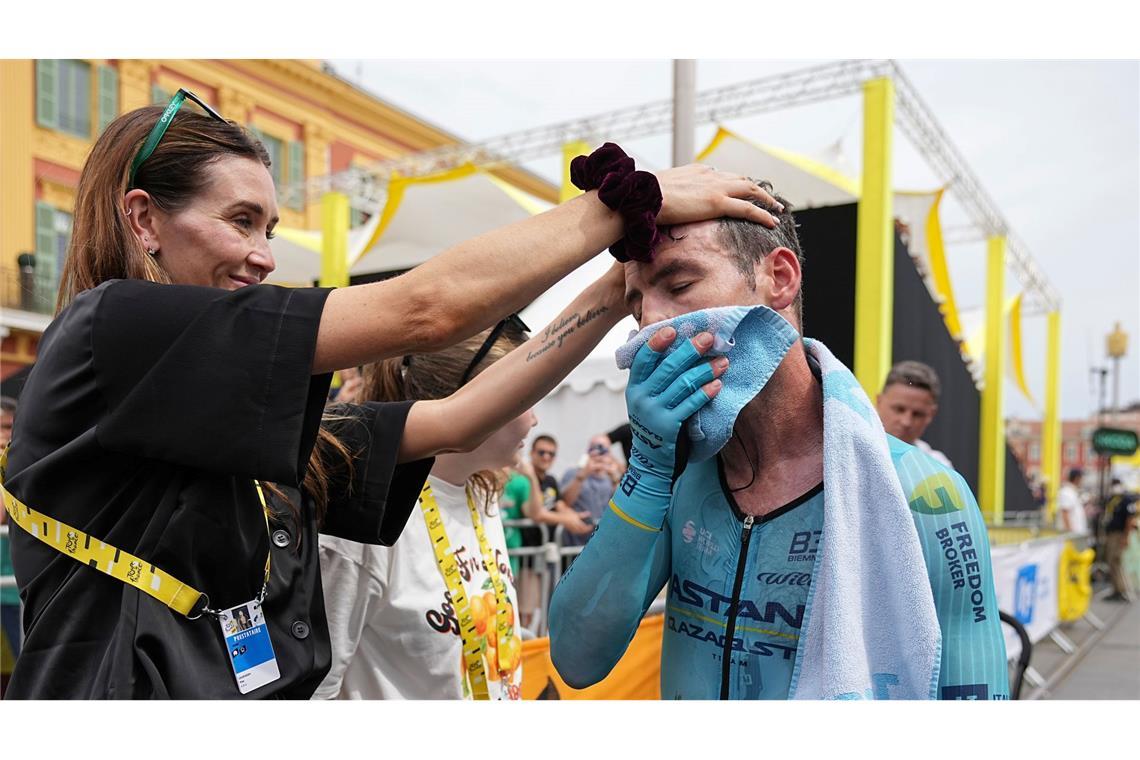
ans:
(169, 388)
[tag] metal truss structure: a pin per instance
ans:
(365, 186)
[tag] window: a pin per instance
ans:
(108, 96)
(1034, 451)
(296, 174)
(63, 96)
(1070, 451)
(275, 148)
(287, 165)
(53, 234)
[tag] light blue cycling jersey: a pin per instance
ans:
(738, 588)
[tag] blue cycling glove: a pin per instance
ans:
(663, 391)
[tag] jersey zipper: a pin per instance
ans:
(733, 606)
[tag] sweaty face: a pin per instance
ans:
(221, 238)
(689, 274)
(906, 411)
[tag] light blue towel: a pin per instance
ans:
(867, 634)
(754, 338)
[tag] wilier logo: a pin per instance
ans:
(72, 541)
(135, 571)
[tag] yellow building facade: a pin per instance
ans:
(312, 123)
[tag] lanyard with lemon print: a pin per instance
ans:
(479, 636)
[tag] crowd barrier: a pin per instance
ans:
(1042, 578)
(540, 568)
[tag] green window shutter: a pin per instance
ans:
(158, 96)
(296, 172)
(277, 154)
(47, 93)
(108, 96)
(47, 275)
(79, 98)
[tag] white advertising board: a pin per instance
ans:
(1025, 578)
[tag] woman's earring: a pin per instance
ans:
(152, 252)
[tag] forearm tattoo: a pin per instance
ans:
(556, 333)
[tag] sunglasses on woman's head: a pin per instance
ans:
(513, 320)
(155, 136)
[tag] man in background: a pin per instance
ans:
(908, 403)
(1119, 522)
(532, 492)
(1070, 509)
(587, 489)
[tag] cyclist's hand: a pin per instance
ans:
(663, 392)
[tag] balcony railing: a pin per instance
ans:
(21, 288)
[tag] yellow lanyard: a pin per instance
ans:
(116, 563)
(473, 644)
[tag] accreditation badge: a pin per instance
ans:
(251, 652)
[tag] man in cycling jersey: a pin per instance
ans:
(736, 536)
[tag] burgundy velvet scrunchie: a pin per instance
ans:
(636, 195)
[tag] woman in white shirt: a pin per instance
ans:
(394, 621)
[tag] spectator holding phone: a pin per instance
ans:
(587, 489)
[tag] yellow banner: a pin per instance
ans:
(1017, 360)
(636, 676)
(1074, 585)
(939, 271)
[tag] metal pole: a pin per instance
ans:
(1051, 443)
(684, 110)
(991, 464)
(1102, 460)
(1116, 390)
(875, 240)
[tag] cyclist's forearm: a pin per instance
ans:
(599, 602)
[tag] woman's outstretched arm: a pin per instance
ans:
(471, 286)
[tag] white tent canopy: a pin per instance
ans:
(426, 215)
(298, 252)
(805, 182)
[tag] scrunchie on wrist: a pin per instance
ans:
(635, 195)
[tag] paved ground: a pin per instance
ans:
(1109, 669)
